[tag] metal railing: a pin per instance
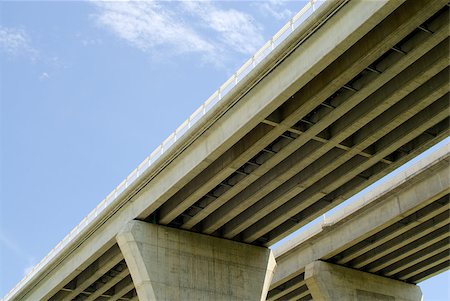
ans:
(216, 97)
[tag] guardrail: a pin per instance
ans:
(216, 97)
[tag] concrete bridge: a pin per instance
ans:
(353, 92)
(399, 232)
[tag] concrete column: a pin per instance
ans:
(328, 281)
(171, 264)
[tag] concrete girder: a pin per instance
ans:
(395, 259)
(324, 186)
(372, 138)
(288, 286)
(298, 290)
(391, 232)
(431, 272)
(89, 275)
(324, 141)
(426, 264)
(301, 293)
(346, 69)
(408, 258)
(244, 200)
(298, 182)
(381, 208)
(416, 258)
(220, 169)
(345, 192)
(103, 287)
(122, 288)
(401, 240)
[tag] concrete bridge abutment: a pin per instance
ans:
(172, 264)
(328, 282)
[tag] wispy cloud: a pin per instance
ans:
(276, 9)
(44, 76)
(147, 25)
(181, 27)
(235, 29)
(15, 41)
(88, 41)
(18, 251)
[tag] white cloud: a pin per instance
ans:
(276, 9)
(88, 41)
(44, 76)
(237, 30)
(15, 41)
(13, 246)
(148, 24)
(181, 27)
(19, 251)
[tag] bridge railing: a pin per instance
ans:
(216, 97)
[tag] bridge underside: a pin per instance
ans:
(378, 105)
(403, 234)
(382, 102)
(412, 249)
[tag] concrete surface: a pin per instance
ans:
(329, 282)
(168, 264)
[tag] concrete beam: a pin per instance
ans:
(403, 239)
(171, 264)
(103, 287)
(409, 255)
(328, 282)
(344, 178)
(297, 288)
(368, 215)
(122, 288)
(320, 138)
(347, 168)
(220, 169)
(425, 264)
(433, 213)
(431, 272)
(321, 166)
(88, 276)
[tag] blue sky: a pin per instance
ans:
(89, 89)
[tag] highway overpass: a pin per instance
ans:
(350, 94)
(399, 230)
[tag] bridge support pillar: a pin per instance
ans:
(171, 264)
(328, 281)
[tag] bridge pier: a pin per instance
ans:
(328, 281)
(171, 264)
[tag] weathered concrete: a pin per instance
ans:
(327, 281)
(171, 264)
